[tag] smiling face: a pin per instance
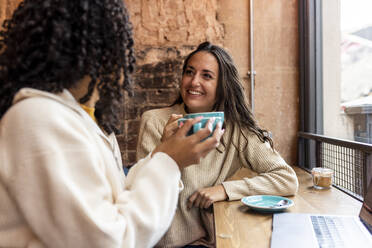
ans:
(199, 82)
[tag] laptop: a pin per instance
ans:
(314, 230)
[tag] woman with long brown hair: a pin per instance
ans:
(210, 82)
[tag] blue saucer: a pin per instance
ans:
(267, 203)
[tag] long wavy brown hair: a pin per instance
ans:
(230, 96)
(51, 44)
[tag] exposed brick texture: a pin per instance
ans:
(174, 23)
(155, 85)
(6, 9)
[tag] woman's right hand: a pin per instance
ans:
(188, 150)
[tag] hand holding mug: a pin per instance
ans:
(206, 116)
(188, 150)
(171, 127)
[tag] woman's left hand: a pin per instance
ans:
(171, 127)
(204, 197)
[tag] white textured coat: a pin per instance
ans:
(62, 185)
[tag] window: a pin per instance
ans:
(336, 87)
(347, 69)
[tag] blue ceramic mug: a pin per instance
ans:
(219, 117)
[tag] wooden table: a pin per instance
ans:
(238, 226)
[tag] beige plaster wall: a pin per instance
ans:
(234, 16)
(276, 58)
(276, 62)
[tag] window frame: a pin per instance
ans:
(311, 130)
(311, 78)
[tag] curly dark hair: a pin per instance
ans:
(230, 97)
(51, 44)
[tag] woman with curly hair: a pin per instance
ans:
(210, 82)
(63, 66)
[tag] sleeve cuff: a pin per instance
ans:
(236, 189)
(160, 160)
(180, 183)
(164, 156)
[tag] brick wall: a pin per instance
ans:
(156, 86)
(6, 9)
(165, 32)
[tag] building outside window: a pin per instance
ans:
(347, 69)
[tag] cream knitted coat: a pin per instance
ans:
(62, 184)
(195, 226)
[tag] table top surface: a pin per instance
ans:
(239, 226)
